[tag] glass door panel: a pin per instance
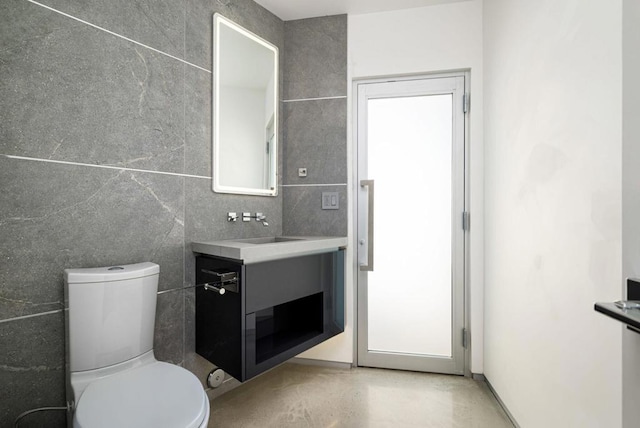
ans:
(410, 158)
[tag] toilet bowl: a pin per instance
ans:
(114, 379)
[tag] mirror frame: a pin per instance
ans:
(219, 20)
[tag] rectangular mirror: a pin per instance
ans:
(245, 111)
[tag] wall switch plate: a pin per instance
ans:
(302, 172)
(330, 201)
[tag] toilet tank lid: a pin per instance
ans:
(111, 273)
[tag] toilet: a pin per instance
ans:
(114, 379)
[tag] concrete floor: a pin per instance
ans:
(294, 395)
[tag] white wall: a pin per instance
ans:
(423, 40)
(553, 150)
(631, 201)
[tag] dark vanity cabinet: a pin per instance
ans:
(269, 312)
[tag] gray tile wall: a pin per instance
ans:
(315, 127)
(76, 100)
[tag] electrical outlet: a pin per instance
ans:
(302, 172)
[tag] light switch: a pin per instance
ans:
(302, 172)
(330, 201)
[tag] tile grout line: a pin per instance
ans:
(117, 35)
(338, 97)
(62, 310)
(121, 168)
(184, 187)
(314, 185)
(170, 290)
(176, 174)
(31, 316)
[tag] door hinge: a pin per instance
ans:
(465, 339)
(465, 102)
(466, 220)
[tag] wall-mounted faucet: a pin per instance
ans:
(259, 217)
(233, 216)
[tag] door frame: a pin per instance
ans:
(355, 188)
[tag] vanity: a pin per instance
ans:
(260, 302)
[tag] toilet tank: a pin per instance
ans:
(111, 314)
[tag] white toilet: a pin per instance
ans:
(115, 380)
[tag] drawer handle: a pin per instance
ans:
(219, 290)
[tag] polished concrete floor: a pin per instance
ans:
(295, 395)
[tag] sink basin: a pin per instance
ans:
(253, 250)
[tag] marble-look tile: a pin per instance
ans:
(315, 57)
(74, 93)
(198, 140)
(168, 342)
(299, 395)
(55, 216)
(303, 214)
(32, 370)
(247, 13)
(155, 23)
(315, 134)
(189, 324)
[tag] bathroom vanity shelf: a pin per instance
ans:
(278, 309)
(631, 317)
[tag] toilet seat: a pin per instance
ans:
(155, 395)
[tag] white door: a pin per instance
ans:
(411, 203)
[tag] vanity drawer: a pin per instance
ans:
(280, 281)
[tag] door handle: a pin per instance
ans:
(369, 265)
